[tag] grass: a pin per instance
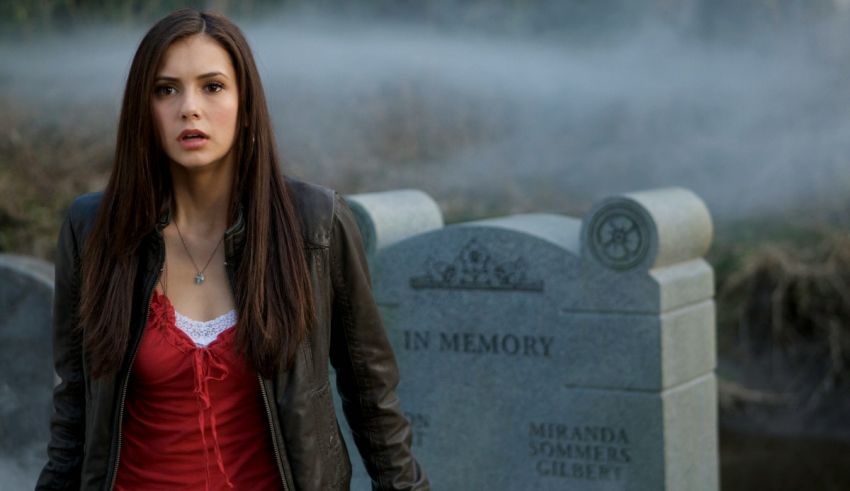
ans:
(43, 165)
(787, 295)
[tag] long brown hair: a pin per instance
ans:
(273, 296)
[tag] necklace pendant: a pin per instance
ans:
(199, 278)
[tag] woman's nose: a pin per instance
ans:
(189, 108)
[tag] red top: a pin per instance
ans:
(194, 419)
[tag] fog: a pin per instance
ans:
(20, 470)
(756, 124)
(518, 123)
(752, 130)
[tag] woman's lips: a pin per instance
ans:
(192, 143)
(192, 139)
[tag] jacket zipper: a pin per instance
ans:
(271, 429)
(127, 379)
(275, 447)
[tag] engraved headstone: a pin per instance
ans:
(26, 370)
(546, 352)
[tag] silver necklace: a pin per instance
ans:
(199, 277)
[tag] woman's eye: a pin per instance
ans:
(214, 87)
(163, 90)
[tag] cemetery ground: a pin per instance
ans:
(783, 298)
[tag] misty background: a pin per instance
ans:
(748, 111)
(492, 108)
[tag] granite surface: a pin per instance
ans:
(388, 217)
(646, 230)
(541, 351)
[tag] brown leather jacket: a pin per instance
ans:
(86, 424)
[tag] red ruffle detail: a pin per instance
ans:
(207, 363)
(192, 413)
(162, 317)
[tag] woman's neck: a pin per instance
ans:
(201, 199)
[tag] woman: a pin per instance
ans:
(201, 295)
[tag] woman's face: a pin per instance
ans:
(195, 103)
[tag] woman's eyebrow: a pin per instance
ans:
(166, 78)
(212, 74)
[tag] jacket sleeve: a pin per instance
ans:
(367, 374)
(65, 449)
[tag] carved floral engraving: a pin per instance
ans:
(475, 268)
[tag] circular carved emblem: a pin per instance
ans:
(619, 237)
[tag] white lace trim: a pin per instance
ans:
(203, 333)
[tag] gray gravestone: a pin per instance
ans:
(545, 352)
(26, 370)
(392, 216)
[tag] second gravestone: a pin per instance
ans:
(26, 370)
(546, 352)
